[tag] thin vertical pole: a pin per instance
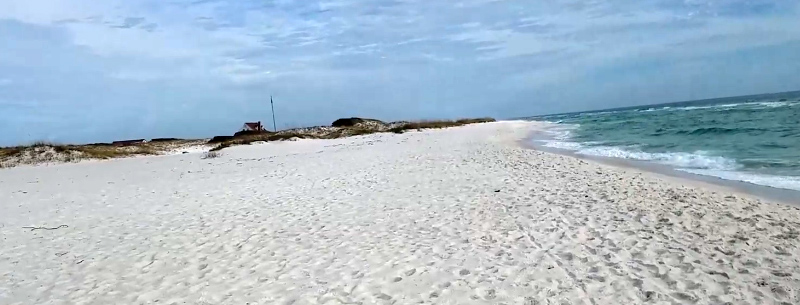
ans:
(274, 125)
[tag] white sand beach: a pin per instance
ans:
(457, 216)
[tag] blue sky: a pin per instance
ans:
(88, 70)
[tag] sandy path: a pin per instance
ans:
(460, 216)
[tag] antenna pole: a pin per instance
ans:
(274, 125)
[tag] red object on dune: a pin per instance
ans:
(254, 126)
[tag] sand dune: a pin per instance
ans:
(456, 216)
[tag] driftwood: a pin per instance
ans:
(46, 228)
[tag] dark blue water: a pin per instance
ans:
(753, 139)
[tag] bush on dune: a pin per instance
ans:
(355, 122)
(347, 122)
(42, 151)
(437, 124)
(345, 127)
(220, 139)
(245, 133)
(165, 140)
(213, 154)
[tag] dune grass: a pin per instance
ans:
(341, 132)
(108, 152)
(42, 151)
(211, 155)
(265, 137)
(438, 124)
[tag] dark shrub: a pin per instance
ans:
(220, 139)
(347, 122)
(251, 133)
(221, 146)
(164, 139)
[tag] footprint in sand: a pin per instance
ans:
(684, 297)
(383, 296)
(650, 295)
(490, 294)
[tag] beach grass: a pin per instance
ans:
(45, 152)
(211, 155)
(438, 124)
(341, 132)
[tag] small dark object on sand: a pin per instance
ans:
(46, 228)
(496, 191)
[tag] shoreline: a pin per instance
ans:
(761, 192)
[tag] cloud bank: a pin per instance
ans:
(84, 71)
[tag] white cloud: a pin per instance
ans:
(457, 56)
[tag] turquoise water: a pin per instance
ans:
(753, 139)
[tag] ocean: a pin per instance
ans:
(754, 139)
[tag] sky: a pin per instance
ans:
(77, 71)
